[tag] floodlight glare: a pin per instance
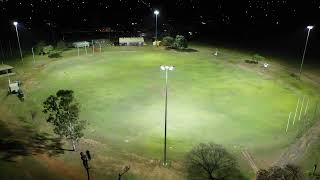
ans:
(156, 12)
(167, 68)
(310, 27)
(15, 23)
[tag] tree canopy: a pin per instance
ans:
(288, 172)
(63, 114)
(168, 41)
(211, 161)
(180, 42)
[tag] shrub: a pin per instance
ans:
(167, 41)
(47, 49)
(54, 54)
(39, 47)
(180, 42)
(61, 45)
(258, 57)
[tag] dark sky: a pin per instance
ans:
(90, 13)
(278, 24)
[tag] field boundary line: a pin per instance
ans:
(249, 158)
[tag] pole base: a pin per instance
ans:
(166, 164)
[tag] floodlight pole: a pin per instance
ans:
(166, 68)
(16, 26)
(156, 12)
(305, 49)
(156, 26)
(165, 122)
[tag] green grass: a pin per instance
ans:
(211, 99)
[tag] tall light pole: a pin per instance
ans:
(16, 26)
(156, 12)
(305, 49)
(166, 68)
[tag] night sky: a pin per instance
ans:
(89, 13)
(277, 25)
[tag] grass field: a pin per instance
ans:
(121, 91)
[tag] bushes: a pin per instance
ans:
(61, 45)
(47, 49)
(54, 54)
(167, 41)
(39, 47)
(42, 48)
(180, 42)
(258, 58)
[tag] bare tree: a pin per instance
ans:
(123, 171)
(211, 161)
(293, 172)
(288, 172)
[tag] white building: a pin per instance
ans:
(131, 41)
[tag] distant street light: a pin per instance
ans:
(156, 12)
(166, 68)
(16, 26)
(305, 49)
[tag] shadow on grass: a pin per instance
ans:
(25, 142)
(189, 50)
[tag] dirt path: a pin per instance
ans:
(297, 150)
(61, 168)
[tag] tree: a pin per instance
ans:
(294, 172)
(167, 41)
(63, 114)
(180, 42)
(211, 161)
(288, 172)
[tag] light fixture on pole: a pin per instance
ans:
(166, 68)
(305, 49)
(16, 26)
(156, 12)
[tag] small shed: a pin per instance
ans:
(6, 70)
(131, 41)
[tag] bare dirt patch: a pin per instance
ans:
(297, 150)
(61, 168)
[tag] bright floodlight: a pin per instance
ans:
(156, 12)
(15, 23)
(165, 68)
(310, 27)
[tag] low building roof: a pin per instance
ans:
(131, 39)
(4, 67)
